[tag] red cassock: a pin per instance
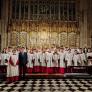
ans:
(55, 61)
(13, 69)
(43, 62)
(36, 63)
(30, 63)
(62, 63)
(49, 62)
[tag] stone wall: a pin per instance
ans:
(3, 23)
(85, 23)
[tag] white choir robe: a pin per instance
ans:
(4, 60)
(17, 52)
(43, 62)
(62, 63)
(4, 57)
(49, 62)
(69, 58)
(52, 51)
(83, 58)
(10, 53)
(72, 51)
(76, 59)
(89, 56)
(65, 51)
(36, 64)
(79, 51)
(12, 68)
(55, 62)
(30, 62)
(55, 58)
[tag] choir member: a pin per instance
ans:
(89, 57)
(4, 57)
(73, 50)
(4, 60)
(79, 50)
(36, 64)
(62, 61)
(52, 49)
(12, 68)
(30, 62)
(76, 58)
(22, 62)
(49, 61)
(65, 50)
(18, 49)
(68, 60)
(55, 61)
(83, 57)
(43, 61)
(85, 49)
(9, 49)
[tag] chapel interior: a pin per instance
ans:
(36, 23)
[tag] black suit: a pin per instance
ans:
(22, 63)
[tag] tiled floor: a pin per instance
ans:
(48, 85)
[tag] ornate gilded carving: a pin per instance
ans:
(63, 39)
(44, 33)
(14, 38)
(22, 38)
(72, 39)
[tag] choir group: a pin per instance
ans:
(43, 60)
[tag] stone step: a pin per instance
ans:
(44, 75)
(78, 75)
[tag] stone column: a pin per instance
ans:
(83, 23)
(89, 23)
(4, 22)
(28, 40)
(0, 35)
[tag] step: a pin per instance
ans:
(78, 75)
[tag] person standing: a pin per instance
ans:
(12, 68)
(83, 58)
(55, 61)
(36, 62)
(23, 59)
(85, 50)
(43, 61)
(62, 62)
(77, 58)
(4, 57)
(89, 57)
(4, 60)
(30, 61)
(49, 61)
(69, 60)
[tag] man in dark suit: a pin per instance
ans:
(22, 63)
